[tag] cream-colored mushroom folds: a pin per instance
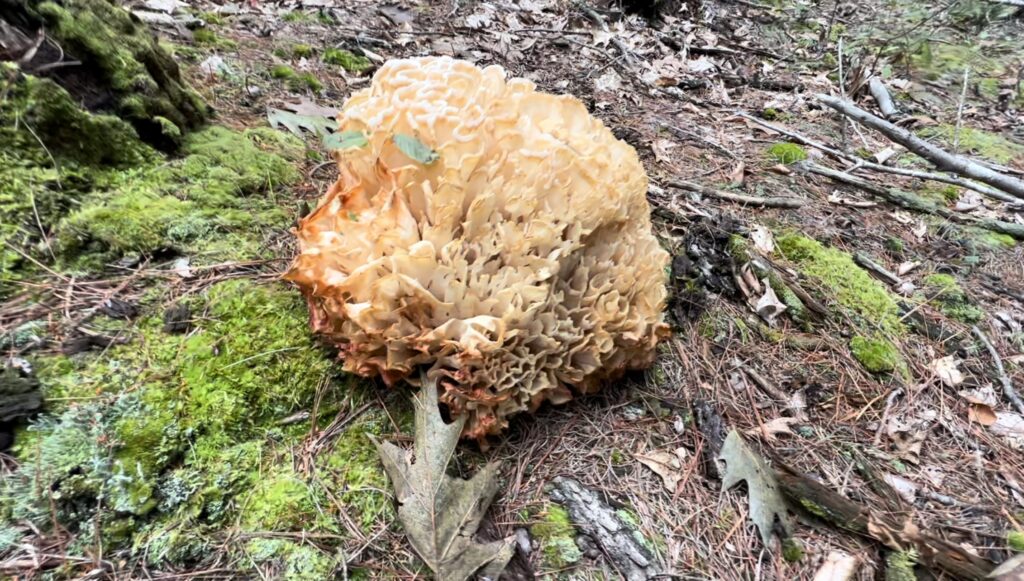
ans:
(493, 236)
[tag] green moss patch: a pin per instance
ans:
(283, 72)
(859, 295)
(557, 537)
(876, 354)
(945, 293)
(211, 201)
(347, 60)
(168, 442)
(786, 153)
(985, 144)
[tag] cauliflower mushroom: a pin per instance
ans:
(493, 236)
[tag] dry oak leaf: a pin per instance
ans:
(668, 465)
(440, 513)
(766, 502)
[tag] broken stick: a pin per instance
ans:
(756, 201)
(1008, 390)
(911, 202)
(942, 159)
(882, 98)
(865, 164)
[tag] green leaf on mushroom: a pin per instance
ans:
(415, 149)
(345, 140)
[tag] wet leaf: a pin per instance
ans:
(415, 149)
(766, 503)
(440, 514)
(345, 140)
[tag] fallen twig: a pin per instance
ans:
(941, 158)
(911, 202)
(864, 164)
(882, 98)
(1008, 390)
(756, 201)
(883, 273)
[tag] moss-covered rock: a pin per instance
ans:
(857, 293)
(123, 69)
(945, 293)
(557, 537)
(208, 201)
(170, 440)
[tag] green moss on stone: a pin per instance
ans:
(876, 354)
(899, 565)
(557, 537)
(347, 60)
(786, 153)
(35, 109)
(124, 56)
(857, 293)
(1015, 540)
(948, 296)
(208, 201)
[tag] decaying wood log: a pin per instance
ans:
(594, 517)
(942, 159)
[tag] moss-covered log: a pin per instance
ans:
(109, 62)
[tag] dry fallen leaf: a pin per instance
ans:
(441, 513)
(766, 502)
(945, 368)
(668, 465)
(981, 414)
(838, 566)
(738, 174)
(774, 428)
(661, 148)
(905, 488)
(769, 306)
(762, 239)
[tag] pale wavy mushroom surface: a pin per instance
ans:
(513, 265)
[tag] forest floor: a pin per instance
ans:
(237, 449)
